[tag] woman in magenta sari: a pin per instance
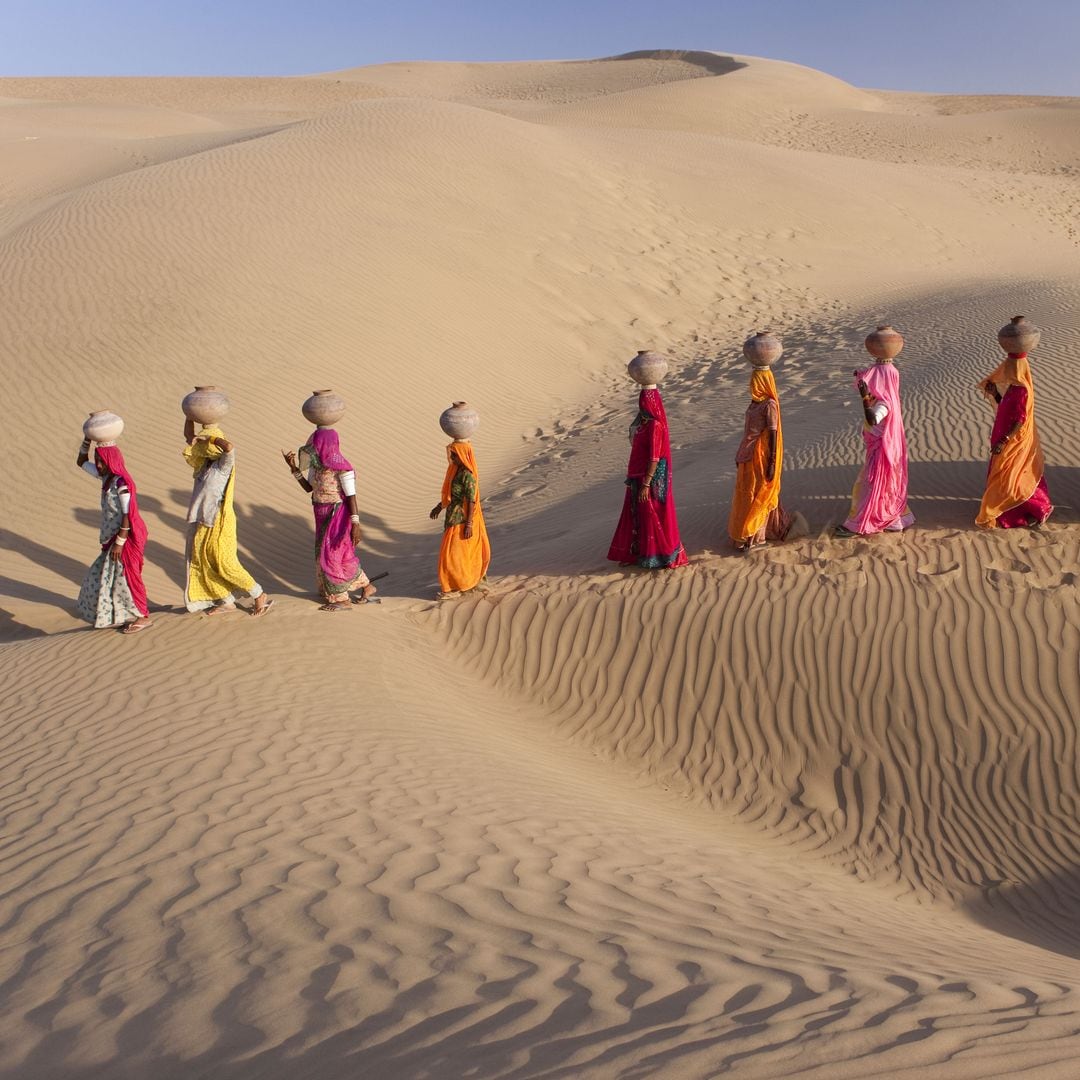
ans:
(648, 531)
(879, 498)
(332, 483)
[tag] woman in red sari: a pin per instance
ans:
(648, 531)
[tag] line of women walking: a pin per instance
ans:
(647, 534)
(1015, 495)
(113, 593)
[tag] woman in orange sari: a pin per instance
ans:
(1016, 494)
(465, 552)
(756, 513)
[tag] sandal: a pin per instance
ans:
(136, 627)
(221, 609)
(257, 611)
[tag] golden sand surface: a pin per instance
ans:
(808, 813)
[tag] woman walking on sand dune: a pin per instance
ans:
(756, 513)
(112, 592)
(879, 498)
(332, 484)
(1016, 495)
(214, 572)
(647, 534)
(465, 552)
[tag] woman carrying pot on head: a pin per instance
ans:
(879, 498)
(465, 552)
(214, 572)
(1016, 495)
(112, 592)
(756, 513)
(647, 534)
(332, 483)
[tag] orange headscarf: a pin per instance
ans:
(756, 497)
(1015, 472)
(467, 457)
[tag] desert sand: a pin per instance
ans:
(808, 813)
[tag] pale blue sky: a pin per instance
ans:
(979, 46)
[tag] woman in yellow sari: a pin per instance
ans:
(214, 572)
(465, 552)
(756, 513)
(1016, 494)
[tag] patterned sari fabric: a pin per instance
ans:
(648, 531)
(879, 498)
(1016, 493)
(337, 565)
(463, 564)
(113, 593)
(214, 571)
(756, 513)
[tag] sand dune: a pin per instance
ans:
(811, 813)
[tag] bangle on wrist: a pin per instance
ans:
(120, 541)
(354, 518)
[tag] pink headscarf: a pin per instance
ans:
(324, 441)
(883, 381)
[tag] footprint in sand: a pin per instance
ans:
(1008, 575)
(934, 577)
(528, 489)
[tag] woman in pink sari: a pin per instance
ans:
(332, 483)
(879, 498)
(648, 532)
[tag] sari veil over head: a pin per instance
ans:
(880, 498)
(755, 496)
(1015, 475)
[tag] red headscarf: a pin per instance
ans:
(113, 460)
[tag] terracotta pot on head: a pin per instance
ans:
(763, 348)
(648, 369)
(324, 408)
(884, 343)
(103, 427)
(460, 421)
(205, 405)
(1019, 336)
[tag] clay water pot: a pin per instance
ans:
(647, 368)
(103, 426)
(324, 408)
(1019, 336)
(205, 405)
(460, 420)
(763, 348)
(884, 343)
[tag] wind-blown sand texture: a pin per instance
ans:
(809, 813)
